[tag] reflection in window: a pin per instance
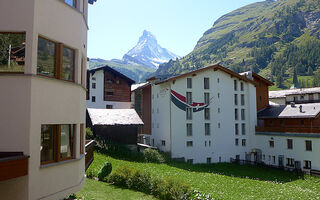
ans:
(68, 64)
(47, 143)
(12, 52)
(46, 57)
(71, 3)
(65, 141)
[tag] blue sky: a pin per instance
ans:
(116, 25)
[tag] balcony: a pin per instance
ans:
(289, 129)
(89, 152)
(13, 165)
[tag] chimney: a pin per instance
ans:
(300, 107)
(292, 104)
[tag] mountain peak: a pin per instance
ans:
(148, 52)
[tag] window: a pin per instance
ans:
(82, 138)
(302, 122)
(236, 114)
(205, 143)
(93, 85)
(219, 125)
(46, 58)
(189, 98)
(236, 129)
(163, 142)
(242, 99)
(207, 113)
(109, 93)
(243, 128)
(207, 129)
(72, 3)
(308, 145)
(68, 60)
(243, 142)
(189, 113)
(206, 83)
(218, 80)
(235, 85)
(243, 114)
(235, 99)
(109, 106)
(241, 86)
(208, 160)
(218, 95)
(189, 82)
(289, 144)
(189, 143)
(269, 158)
(237, 142)
(12, 52)
(209, 143)
(93, 78)
(55, 60)
(190, 161)
(273, 159)
(206, 98)
(56, 143)
(218, 110)
(189, 129)
(271, 143)
(290, 162)
(307, 164)
(93, 99)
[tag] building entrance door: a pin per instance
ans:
(280, 161)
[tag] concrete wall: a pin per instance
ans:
(28, 101)
(222, 139)
(298, 153)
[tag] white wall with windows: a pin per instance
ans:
(296, 149)
(213, 129)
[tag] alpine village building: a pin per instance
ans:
(42, 86)
(216, 115)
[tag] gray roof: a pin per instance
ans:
(111, 117)
(139, 85)
(310, 110)
(300, 91)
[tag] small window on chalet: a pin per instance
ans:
(109, 81)
(12, 52)
(235, 85)
(93, 78)
(271, 144)
(93, 98)
(206, 83)
(241, 86)
(93, 85)
(163, 142)
(308, 145)
(109, 106)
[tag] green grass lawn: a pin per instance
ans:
(99, 191)
(226, 181)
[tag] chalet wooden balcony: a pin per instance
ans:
(289, 129)
(13, 165)
(89, 152)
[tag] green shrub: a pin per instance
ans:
(138, 180)
(89, 134)
(153, 156)
(105, 171)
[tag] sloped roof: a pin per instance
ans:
(310, 110)
(299, 91)
(139, 85)
(113, 71)
(213, 67)
(112, 117)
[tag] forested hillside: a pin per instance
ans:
(277, 39)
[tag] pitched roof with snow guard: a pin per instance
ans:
(300, 91)
(112, 117)
(310, 110)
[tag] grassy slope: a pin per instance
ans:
(227, 181)
(99, 190)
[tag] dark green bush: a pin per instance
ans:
(142, 181)
(105, 171)
(151, 155)
(89, 134)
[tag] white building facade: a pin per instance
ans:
(204, 116)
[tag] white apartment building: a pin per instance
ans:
(207, 115)
(42, 102)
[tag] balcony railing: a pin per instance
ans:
(13, 165)
(289, 129)
(89, 152)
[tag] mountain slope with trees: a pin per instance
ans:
(277, 39)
